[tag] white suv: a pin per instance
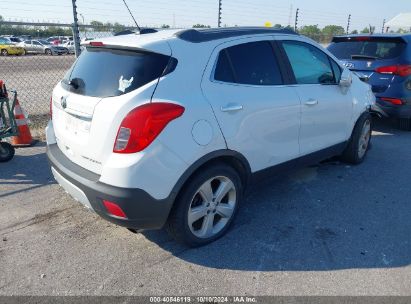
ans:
(168, 128)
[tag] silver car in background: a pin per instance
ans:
(42, 47)
(69, 45)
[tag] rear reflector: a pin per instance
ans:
(114, 209)
(400, 70)
(96, 43)
(395, 101)
(143, 124)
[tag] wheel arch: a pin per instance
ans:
(232, 158)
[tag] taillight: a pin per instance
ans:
(143, 124)
(114, 209)
(395, 101)
(400, 70)
(51, 108)
(363, 38)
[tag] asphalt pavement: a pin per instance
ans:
(329, 229)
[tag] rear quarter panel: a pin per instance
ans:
(183, 86)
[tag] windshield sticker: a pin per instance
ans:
(124, 84)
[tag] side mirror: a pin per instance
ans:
(346, 78)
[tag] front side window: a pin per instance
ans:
(251, 63)
(309, 64)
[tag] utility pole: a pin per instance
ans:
(76, 34)
(219, 12)
(348, 24)
(383, 27)
(296, 19)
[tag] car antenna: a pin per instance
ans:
(132, 15)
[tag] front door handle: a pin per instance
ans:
(311, 102)
(231, 108)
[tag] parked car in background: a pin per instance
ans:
(384, 61)
(9, 48)
(42, 47)
(57, 40)
(132, 143)
(69, 45)
(25, 37)
(12, 39)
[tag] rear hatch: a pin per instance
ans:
(90, 102)
(367, 55)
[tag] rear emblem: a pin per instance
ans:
(369, 64)
(63, 102)
(349, 65)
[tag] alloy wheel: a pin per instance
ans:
(212, 207)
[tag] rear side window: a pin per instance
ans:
(309, 64)
(374, 48)
(251, 63)
(223, 71)
(101, 72)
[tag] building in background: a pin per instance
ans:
(399, 22)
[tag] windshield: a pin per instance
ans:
(372, 49)
(101, 72)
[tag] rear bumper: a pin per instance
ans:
(142, 210)
(395, 111)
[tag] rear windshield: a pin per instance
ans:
(102, 72)
(367, 49)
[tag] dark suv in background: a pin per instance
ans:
(384, 61)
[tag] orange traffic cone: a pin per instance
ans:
(23, 139)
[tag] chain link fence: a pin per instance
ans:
(34, 74)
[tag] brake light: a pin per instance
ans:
(400, 70)
(114, 209)
(395, 101)
(143, 124)
(51, 108)
(362, 38)
(96, 43)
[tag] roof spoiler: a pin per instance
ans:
(143, 31)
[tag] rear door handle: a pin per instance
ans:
(231, 108)
(311, 102)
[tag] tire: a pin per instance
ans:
(6, 152)
(190, 227)
(359, 143)
(404, 124)
(49, 52)
(4, 52)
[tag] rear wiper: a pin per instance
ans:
(364, 57)
(73, 83)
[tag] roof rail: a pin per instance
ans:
(204, 35)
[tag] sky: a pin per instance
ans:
(185, 13)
